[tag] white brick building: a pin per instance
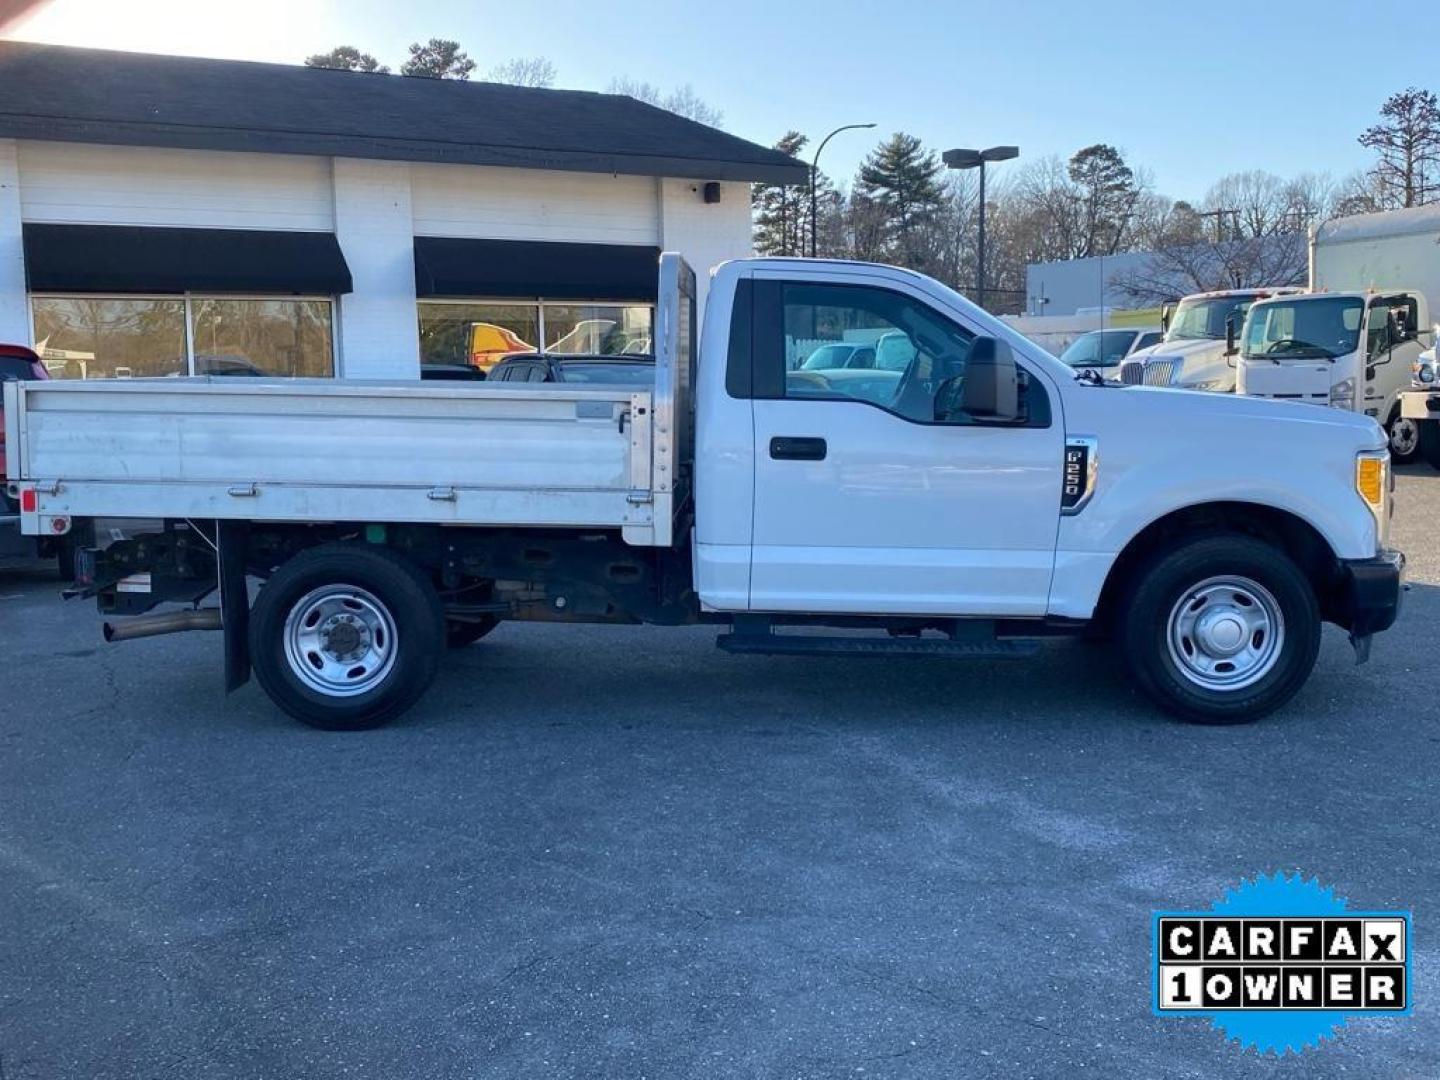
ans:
(163, 215)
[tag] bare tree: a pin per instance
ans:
(1407, 140)
(1248, 262)
(1356, 194)
(1249, 203)
(524, 71)
(682, 101)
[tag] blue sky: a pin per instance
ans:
(1188, 92)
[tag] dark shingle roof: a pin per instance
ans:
(139, 99)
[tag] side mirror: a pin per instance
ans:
(1166, 310)
(1230, 335)
(988, 392)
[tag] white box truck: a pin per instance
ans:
(983, 497)
(1354, 340)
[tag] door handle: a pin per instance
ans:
(797, 448)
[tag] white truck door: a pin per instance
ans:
(871, 498)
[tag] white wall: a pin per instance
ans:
(75, 183)
(528, 204)
(707, 234)
(14, 312)
(378, 326)
(375, 209)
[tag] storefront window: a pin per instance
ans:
(91, 337)
(598, 328)
(100, 337)
(262, 337)
(476, 334)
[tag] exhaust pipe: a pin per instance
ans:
(167, 622)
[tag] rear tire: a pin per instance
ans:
(1221, 630)
(1430, 442)
(344, 637)
(1404, 436)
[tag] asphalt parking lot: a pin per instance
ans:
(598, 852)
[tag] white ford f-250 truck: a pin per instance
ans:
(982, 497)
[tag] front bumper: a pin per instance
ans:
(1368, 599)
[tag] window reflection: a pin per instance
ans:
(93, 337)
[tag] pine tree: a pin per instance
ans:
(782, 212)
(346, 58)
(900, 183)
(438, 58)
(1107, 192)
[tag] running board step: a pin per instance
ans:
(824, 645)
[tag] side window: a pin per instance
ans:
(1380, 330)
(913, 358)
(535, 374)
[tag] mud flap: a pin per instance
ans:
(1361, 645)
(230, 540)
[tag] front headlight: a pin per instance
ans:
(1342, 394)
(1209, 384)
(1372, 483)
(1424, 372)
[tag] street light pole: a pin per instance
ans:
(815, 171)
(976, 159)
(980, 269)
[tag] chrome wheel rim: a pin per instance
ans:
(1404, 437)
(1226, 633)
(340, 640)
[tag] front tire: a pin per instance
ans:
(1221, 630)
(1404, 435)
(344, 637)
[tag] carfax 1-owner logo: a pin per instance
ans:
(1280, 963)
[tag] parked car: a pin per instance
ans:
(840, 354)
(1102, 350)
(553, 368)
(451, 372)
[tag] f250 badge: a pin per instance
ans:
(1280, 963)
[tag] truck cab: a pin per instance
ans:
(1348, 350)
(1197, 352)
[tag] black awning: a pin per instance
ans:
(141, 259)
(446, 266)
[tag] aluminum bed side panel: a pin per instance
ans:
(311, 436)
(328, 451)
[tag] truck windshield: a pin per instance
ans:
(1197, 319)
(1305, 327)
